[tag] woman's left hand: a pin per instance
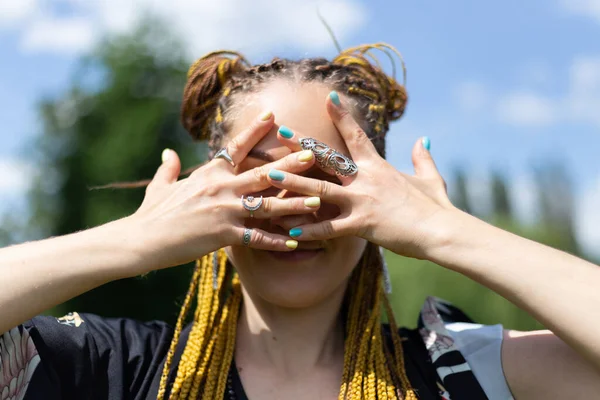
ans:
(381, 204)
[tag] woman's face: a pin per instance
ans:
(315, 270)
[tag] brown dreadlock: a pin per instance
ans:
(373, 369)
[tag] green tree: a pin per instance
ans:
(459, 193)
(111, 125)
(501, 206)
(556, 205)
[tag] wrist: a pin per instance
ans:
(445, 232)
(132, 244)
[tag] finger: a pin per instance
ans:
(356, 139)
(325, 190)
(323, 230)
(289, 138)
(256, 179)
(241, 144)
(276, 207)
(422, 161)
(169, 170)
(263, 240)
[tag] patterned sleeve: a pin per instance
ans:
(481, 345)
(82, 357)
(465, 355)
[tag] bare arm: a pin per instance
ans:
(558, 289)
(38, 275)
(177, 222)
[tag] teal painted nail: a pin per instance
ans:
(426, 143)
(295, 232)
(335, 98)
(276, 175)
(286, 132)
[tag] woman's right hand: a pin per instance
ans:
(180, 221)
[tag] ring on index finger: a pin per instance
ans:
(328, 157)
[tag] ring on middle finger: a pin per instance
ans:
(247, 203)
(329, 158)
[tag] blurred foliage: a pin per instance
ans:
(111, 126)
(122, 110)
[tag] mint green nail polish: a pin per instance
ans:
(295, 232)
(426, 143)
(335, 98)
(276, 175)
(286, 132)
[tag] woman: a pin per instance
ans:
(290, 280)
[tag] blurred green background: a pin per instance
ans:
(122, 110)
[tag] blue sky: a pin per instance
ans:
(494, 84)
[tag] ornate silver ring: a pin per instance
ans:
(329, 158)
(224, 154)
(247, 204)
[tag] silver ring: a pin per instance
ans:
(247, 236)
(329, 158)
(224, 154)
(247, 203)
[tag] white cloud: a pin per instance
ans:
(588, 219)
(527, 109)
(586, 8)
(13, 12)
(471, 96)
(15, 178)
(578, 104)
(56, 35)
(205, 25)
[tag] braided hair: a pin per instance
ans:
(373, 368)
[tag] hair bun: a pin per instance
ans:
(207, 81)
(392, 96)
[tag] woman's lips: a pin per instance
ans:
(296, 255)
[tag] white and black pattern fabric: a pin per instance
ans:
(457, 380)
(84, 356)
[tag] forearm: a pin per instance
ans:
(558, 289)
(38, 275)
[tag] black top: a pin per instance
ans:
(89, 357)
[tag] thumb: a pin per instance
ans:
(169, 170)
(422, 160)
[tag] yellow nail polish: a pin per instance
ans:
(165, 155)
(266, 115)
(305, 155)
(291, 244)
(312, 202)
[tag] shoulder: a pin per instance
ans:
(463, 353)
(84, 354)
(539, 364)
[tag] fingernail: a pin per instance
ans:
(276, 175)
(291, 244)
(335, 98)
(426, 143)
(295, 232)
(286, 132)
(305, 155)
(266, 115)
(312, 202)
(165, 155)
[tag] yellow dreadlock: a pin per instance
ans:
(369, 373)
(371, 369)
